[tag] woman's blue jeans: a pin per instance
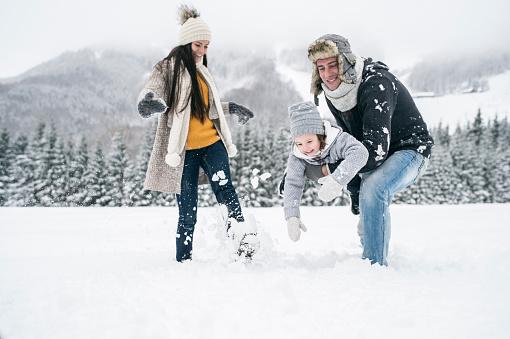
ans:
(378, 187)
(213, 160)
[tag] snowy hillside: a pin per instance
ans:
(96, 90)
(448, 109)
(109, 273)
(460, 108)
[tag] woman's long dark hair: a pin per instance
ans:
(183, 57)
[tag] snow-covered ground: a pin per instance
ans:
(449, 109)
(109, 273)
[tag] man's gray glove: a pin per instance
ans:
(294, 227)
(243, 113)
(330, 188)
(148, 105)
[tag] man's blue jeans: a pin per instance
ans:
(378, 186)
(214, 161)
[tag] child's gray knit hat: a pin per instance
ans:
(305, 119)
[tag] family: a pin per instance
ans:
(378, 146)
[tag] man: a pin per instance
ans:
(371, 104)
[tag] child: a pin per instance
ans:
(317, 143)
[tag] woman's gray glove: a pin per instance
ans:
(243, 113)
(148, 105)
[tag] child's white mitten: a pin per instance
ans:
(330, 188)
(294, 227)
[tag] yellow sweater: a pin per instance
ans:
(201, 134)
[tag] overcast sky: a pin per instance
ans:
(399, 31)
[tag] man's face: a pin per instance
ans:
(329, 72)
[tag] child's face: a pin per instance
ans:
(308, 144)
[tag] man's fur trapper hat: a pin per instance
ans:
(328, 46)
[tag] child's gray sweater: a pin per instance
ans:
(339, 145)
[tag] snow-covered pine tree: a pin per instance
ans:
(460, 152)
(442, 135)
(96, 181)
(504, 136)
(440, 183)
(21, 187)
(447, 181)
(245, 160)
(495, 132)
(269, 171)
(6, 160)
(59, 176)
(497, 160)
(476, 166)
(476, 131)
(20, 145)
(252, 168)
(117, 172)
(504, 162)
(54, 182)
(166, 199)
(281, 154)
(503, 175)
(137, 195)
(77, 168)
(39, 157)
(256, 190)
(70, 156)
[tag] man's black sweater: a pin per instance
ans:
(385, 118)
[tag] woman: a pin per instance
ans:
(192, 134)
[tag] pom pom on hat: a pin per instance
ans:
(185, 12)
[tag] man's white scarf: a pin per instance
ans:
(180, 121)
(345, 96)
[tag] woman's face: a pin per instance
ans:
(308, 144)
(199, 49)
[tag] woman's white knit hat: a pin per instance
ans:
(193, 27)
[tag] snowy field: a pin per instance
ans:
(109, 273)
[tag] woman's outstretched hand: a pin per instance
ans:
(243, 113)
(148, 105)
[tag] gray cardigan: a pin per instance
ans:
(340, 145)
